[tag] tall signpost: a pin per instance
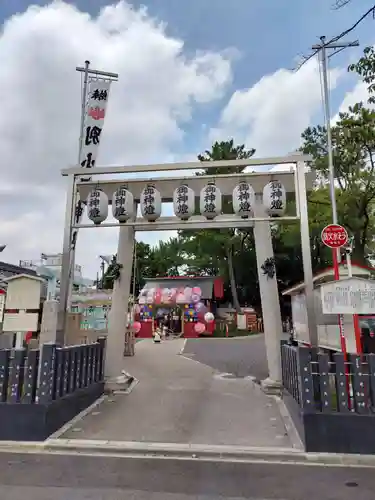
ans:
(335, 236)
(95, 93)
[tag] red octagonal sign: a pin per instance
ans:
(334, 236)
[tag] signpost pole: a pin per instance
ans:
(335, 236)
(357, 328)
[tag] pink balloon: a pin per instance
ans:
(199, 327)
(137, 326)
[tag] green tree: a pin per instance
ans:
(150, 262)
(214, 251)
(365, 68)
(353, 140)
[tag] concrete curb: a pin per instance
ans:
(289, 424)
(188, 452)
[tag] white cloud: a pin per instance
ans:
(156, 93)
(358, 94)
(271, 115)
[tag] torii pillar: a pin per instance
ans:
(118, 316)
(269, 296)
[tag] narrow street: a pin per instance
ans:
(69, 477)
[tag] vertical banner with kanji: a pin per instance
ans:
(97, 98)
(98, 91)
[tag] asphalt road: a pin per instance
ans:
(74, 477)
(242, 357)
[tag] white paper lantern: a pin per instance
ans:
(150, 203)
(274, 198)
(97, 206)
(210, 201)
(183, 202)
(122, 204)
(243, 200)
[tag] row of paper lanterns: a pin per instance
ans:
(210, 203)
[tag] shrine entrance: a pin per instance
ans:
(259, 200)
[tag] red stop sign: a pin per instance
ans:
(334, 236)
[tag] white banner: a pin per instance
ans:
(98, 93)
(97, 98)
(348, 296)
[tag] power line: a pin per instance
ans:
(337, 38)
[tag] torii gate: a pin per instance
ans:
(297, 181)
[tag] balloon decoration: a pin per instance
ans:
(199, 328)
(137, 326)
(196, 294)
(209, 317)
(173, 295)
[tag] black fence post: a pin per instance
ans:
(89, 354)
(325, 389)
(59, 371)
(359, 389)
(66, 371)
(17, 371)
(46, 389)
(306, 384)
(371, 374)
(94, 362)
(31, 377)
(78, 367)
(4, 374)
(341, 384)
(102, 341)
(73, 368)
(84, 366)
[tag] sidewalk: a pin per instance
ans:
(178, 400)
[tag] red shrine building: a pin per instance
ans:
(182, 301)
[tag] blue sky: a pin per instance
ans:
(269, 34)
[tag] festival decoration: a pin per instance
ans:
(150, 201)
(274, 198)
(243, 200)
(184, 202)
(122, 204)
(199, 328)
(97, 206)
(209, 317)
(210, 201)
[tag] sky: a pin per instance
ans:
(190, 72)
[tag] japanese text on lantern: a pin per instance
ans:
(181, 200)
(94, 204)
(210, 199)
(276, 196)
(244, 197)
(120, 201)
(149, 200)
(96, 107)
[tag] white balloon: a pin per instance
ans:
(209, 317)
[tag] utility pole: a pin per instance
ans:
(322, 48)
